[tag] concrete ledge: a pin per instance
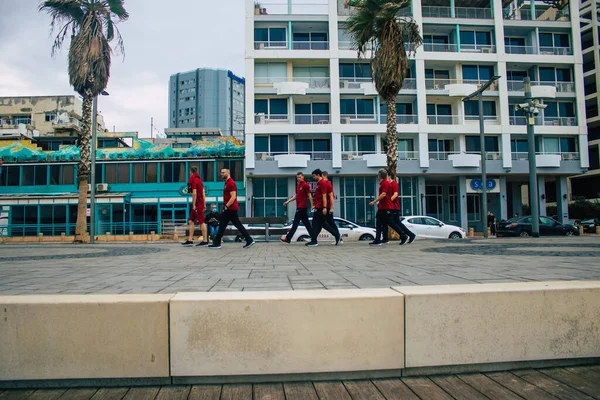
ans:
(254, 333)
(505, 322)
(84, 337)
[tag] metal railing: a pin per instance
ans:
(550, 14)
(356, 155)
(439, 83)
(441, 47)
(349, 45)
(314, 155)
(546, 121)
(509, 49)
(314, 82)
(477, 48)
(401, 119)
(459, 12)
(291, 8)
(57, 229)
(353, 83)
(409, 84)
(270, 44)
(493, 119)
(478, 83)
(68, 121)
(266, 80)
(310, 45)
(556, 51)
(311, 119)
(561, 87)
(564, 156)
(441, 155)
(408, 155)
(15, 121)
(489, 155)
(358, 119)
(443, 119)
(271, 118)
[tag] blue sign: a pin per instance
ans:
(476, 184)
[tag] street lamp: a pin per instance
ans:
(93, 169)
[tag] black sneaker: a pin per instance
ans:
(375, 243)
(385, 241)
(412, 239)
(187, 243)
(403, 241)
(202, 244)
(339, 240)
(249, 244)
(214, 246)
(312, 244)
(284, 240)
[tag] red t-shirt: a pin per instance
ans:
(385, 203)
(196, 183)
(319, 192)
(329, 190)
(302, 192)
(230, 186)
(395, 189)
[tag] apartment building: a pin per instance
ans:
(588, 185)
(314, 106)
(207, 98)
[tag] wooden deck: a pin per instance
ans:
(570, 383)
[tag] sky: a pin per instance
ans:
(161, 38)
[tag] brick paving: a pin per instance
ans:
(170, 268)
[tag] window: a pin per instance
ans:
(318, 149)
(49, 117)
(27, 175)
(271, 37)
(358, 143)
(556, 144)
(516, 75)
(559, 113)
(355, 194)
(473, 207)
(41, 172)
(110, 173)
(472, 110)
(550, 74)
(207, 171)
(473, 144)
(514, 41)
(123, 176)
(355, 72)
(137, 173)
(235, 166)
(452, 203)
(401, 109)
(357, 108)
(440, 148)
(434, 202)
(550, 40)
(474, 40)
(173, 172)
(269, 195)
(439, 114)
(477, 72)
(273, 108)
(270, 72)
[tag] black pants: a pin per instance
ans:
(492, 226)
(301, 215)
(321, 221)
(330, 225)
(226, 217)
(385, 219)
(407, 232)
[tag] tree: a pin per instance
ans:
(92, 26)
(375, 24)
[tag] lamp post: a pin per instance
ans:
(93, 169)
(479, 94)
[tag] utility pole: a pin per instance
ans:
(533, 184)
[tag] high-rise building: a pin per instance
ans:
(207, 98)
(588, 184)
(312, 104)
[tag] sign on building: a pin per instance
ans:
(476, 186)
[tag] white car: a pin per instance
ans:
(430, 228)
(349, 231)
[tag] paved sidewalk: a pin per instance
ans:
(171, 268)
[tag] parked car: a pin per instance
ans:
(589, 225)
(349, 231)
(521, 226)
(429, 227)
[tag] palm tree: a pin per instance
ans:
(375, 24)
(92, 26)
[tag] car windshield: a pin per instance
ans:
(514, 219)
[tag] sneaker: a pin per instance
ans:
(284, 240)
(202, 244)
(412, 239)
(187, 243)
(214, 246)
(403, 241)
(339, 240)
(312, 244)
(249, 244)
(385, 241)
(375, 243)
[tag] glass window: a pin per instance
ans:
(566, 110)
(547, 74)
(302, 109)
(470, 72)
(349, 143)
(563, 75)
(365, 143)
(278, 106)
(166, 172)
(484, 38)
(362, 70)
(279, 143)
(261, 34)
(320, 108)
(27, 175)
(546, 40)
(473, 143)
(68, 174)
(55, 174)
(472, 108)
(467, 37)
(277, 34)
(444, 109)
(151, 172)
(207, 169)
(561, 40)
(568, 145)
(261, 106)
(110, 172)
(347, 107)
(123, 174)
(303, 145)
(346, 70)
(322, 145)
(138, 173)
(40, 175)
(261, 144)
(365, 107)
(319, 36)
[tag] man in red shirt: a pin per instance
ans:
(330, 225)
(408, 236)
(384, 209)
(196, 188)
(302, 195)
(321, 210)
(230, 212)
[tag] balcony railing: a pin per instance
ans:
(557, 51)
(489, 155)
(520, 49)
(293, 8)
(266, 80)
(314, 82)
(409, 84)
(550, 14)
(492, 119)
(271, 118)
(477, 48)
(401, 119)
(356, 155)
(310, 45)
(441, 47)
(348, 45)
(15, 121)
(459, 12)
(408, 155)
(314, 155)
(442, 119)
(441, 155)
(546, 121)
(565, 156)
(561, 87)
(312, 119)
(68, 121)
(358, 119)
(270, 44)
(439, 83)
(478, 83)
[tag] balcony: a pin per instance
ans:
(561, 87)
(310, 45)
(312, 119)
(520, 49)
(566, 156)
(544, 121)
(556, 51)
(356, 155)
(459, 12)
(270, 45)
(489, 155)
(550, 14)
(314, 82)
(13, 123)
(441, 155)
(292, 8)
(314, 155)
(68, 123)
(358, 119)
(443, 119)
(488, 119)
(477, 48)
(440, 47)
(264, 119)
(401, 119)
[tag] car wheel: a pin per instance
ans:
(366, 237)
(569, 233)
(524, 234)
(304, 238)
(239, 238)
(455, 235)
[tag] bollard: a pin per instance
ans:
(63, 237)
(175, 236)
(598, 230)
(41, 237)
(152, 236)
(131, 236)
(580, 229)
(471, 232)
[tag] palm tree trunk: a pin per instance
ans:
(392, 137)
(81, 235)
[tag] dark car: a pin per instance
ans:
(521, 226)
(589, 225)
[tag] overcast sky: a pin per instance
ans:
(161, 38)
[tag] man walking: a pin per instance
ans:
(384, 218)
(321, 210)
(330, 225)
(301, 197)
(230, 212)
(212, 221)
(196, 187)
(396, 211)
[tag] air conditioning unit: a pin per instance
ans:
(102, 187)
(486, 49)
(346, 120)
(259, 46)
(344, 84)
(259, 118)
(89, 187)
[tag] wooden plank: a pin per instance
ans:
(46, 394)
(591, 388)
(550, 385)
(595, 367)
(519, 386)
(363, 389)
(236, 392)
(426, 389)
(268, 391)
(142, 393)
(205, 392)
(332, 390)
(173, 393)
(489, 387)
(585, 372)
(394, 389)
(110, 393)
(79, 394)
(16, 394)
(300, 391)
(454, 386)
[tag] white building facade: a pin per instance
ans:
(310, 103)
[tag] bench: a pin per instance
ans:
(267, 230)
